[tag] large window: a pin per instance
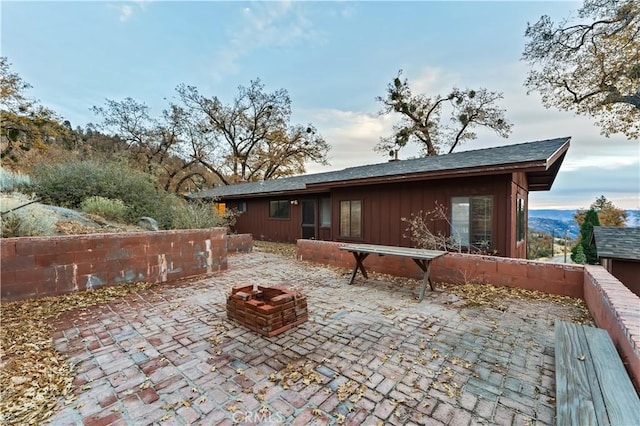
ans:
(351, 218)
(520, 219)
(472, 221)
(279, 209)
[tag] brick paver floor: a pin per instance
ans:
(369, 354)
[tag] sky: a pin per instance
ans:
(333, 57)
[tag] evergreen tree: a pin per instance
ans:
(586, 237)
(578, 256)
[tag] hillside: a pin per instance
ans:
(556, 222)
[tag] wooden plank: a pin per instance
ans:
(393, 251)
(574, 403)
(620, 397)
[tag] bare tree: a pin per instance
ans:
(253, 134)
(422, 121)
(591, 65)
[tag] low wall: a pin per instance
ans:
(48, 266)
(457, 268)
(616, 309)
(239, 243)
(613, 306)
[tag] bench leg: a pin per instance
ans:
(360, 257)
(425, 265)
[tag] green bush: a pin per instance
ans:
(104, 207)
(196, 215)
(69, 184)
(12, 181)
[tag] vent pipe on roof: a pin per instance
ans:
(394, 155)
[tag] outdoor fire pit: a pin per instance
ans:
(267, 310)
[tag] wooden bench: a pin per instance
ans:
(421, 257)
(592, 385)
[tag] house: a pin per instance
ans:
(619, 252)
(485, 193)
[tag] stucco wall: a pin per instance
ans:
(48, 266)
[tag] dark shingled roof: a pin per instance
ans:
(617, 243)
(508, 156)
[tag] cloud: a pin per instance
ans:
(594, 165)
(581, 187)
(126, 11)
(264, 25)
(352, 136)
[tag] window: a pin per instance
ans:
(279, 209)
(325, 212)
(351, 218)
(242, 206)
(519, 219)
(472, 221)
(219, 208)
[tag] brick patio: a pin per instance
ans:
(369, 354)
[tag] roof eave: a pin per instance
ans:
(435, 174)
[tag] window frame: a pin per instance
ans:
(348, 233)
(468, 227)
(280, 203)
(520, 219)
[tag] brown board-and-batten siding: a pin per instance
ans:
(384, 206)
(373, 199)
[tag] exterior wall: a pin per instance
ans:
(518, 249)
(385, 205)
(239, 243)
(613, 306)
(628, 272)
(458, 268)
(48, 266)
(256, 221)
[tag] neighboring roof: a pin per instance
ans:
(541, 161)
(617, 243)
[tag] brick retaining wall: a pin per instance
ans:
(456, 268)
(239, 243)
(616, 309)
(48, 266)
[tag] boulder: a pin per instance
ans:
(148, 223)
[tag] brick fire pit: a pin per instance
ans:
(267, 310)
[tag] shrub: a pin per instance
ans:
(198, 215)
(419, 229)
(104, 207)
(12, 181)
(69, 184)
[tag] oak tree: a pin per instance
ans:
(251, 138)
(590, 65)
(608, 213)
(156, 146)
(439, 123)
(25, 124)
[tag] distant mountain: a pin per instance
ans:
(554, 226)
(553, 214)
(557, 221)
